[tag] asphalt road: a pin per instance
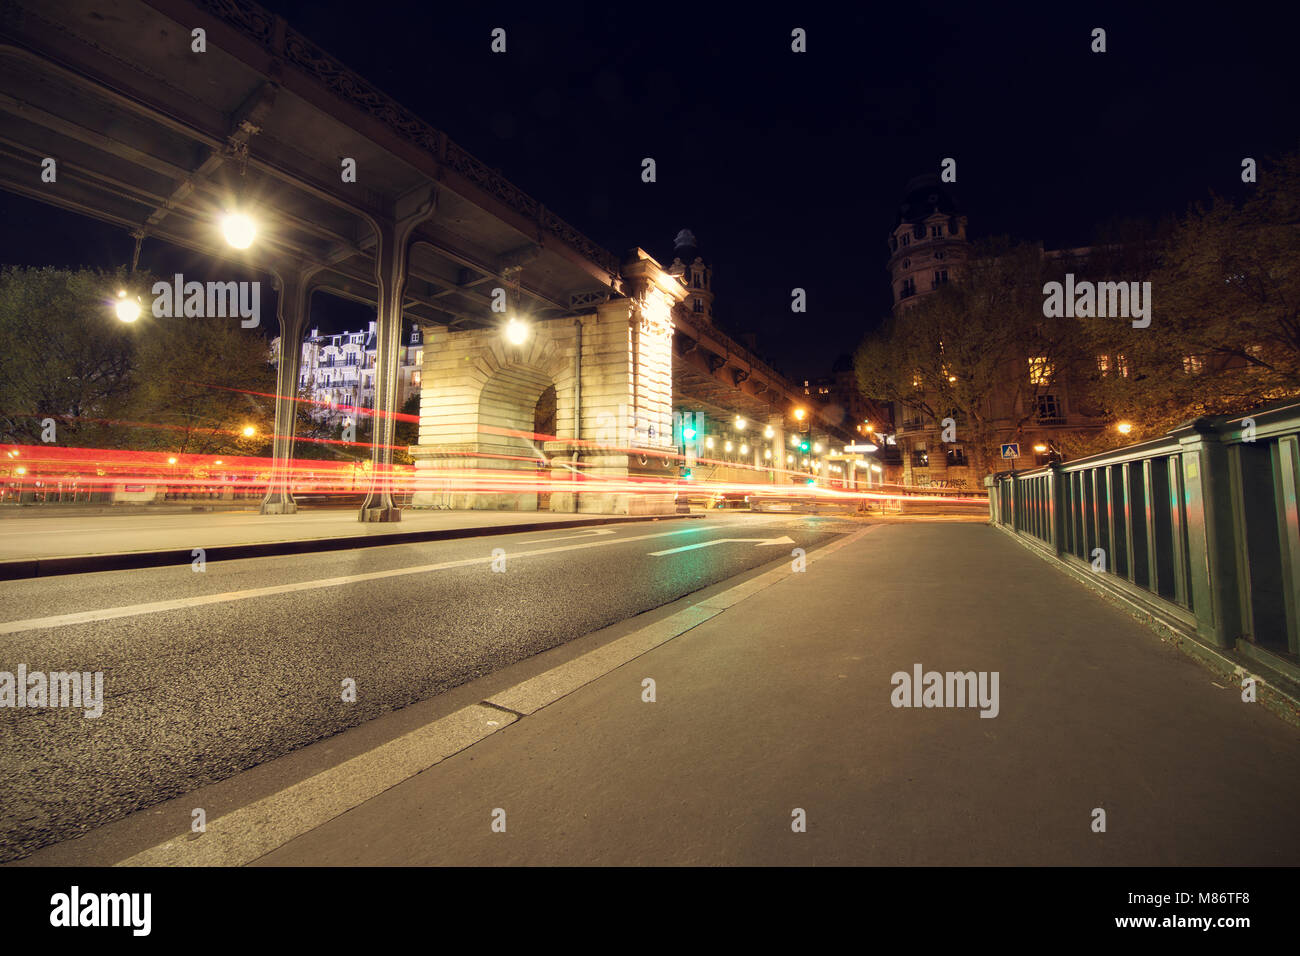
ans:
(203, 679)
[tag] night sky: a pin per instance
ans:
(789, 167)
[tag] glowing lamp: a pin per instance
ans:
(128, 310)
(516, 332)
(239, 230)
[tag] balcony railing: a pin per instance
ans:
(1198, 527)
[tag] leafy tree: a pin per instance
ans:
(406, 433)
(207, 380)
(63, 355)
(1225, 329)
(964, 350)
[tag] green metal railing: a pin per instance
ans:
(1199, 525)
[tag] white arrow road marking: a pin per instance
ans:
(181, 604)
(761, 542)
(590, 533)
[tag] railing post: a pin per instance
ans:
(1211, 544)
(1056, 507)
(1014, 503)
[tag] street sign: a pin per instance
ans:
(859, 448)
(1011, 451)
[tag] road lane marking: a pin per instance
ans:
(760, 542)
(250, 832)
(593, 532)
(178, 604)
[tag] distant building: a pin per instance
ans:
(339, 369)
(928, 247)
(695, 274)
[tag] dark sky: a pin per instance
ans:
(789, 167)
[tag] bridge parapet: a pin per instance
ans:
(1198, 527)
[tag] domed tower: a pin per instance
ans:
(698, 277)
(928, 242)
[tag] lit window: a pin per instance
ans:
(1193, 364)
(1103, 364)
(1040, 370)
(1121, 365)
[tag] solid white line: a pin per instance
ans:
(593, 533)
(157, 607)
(761, 542)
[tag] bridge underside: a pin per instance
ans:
(162, 141)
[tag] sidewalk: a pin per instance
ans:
(776, 695)
(783, 701)
(67, 544)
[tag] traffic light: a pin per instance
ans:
(804, 446)
(689, 426)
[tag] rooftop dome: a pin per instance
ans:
(925, 195)
(685, 246)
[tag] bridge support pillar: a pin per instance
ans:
(294, 287)
(391, 263)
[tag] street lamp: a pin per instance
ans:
(249, 431)
(1124, 428)
(239, 229)
(516, 332)
(127, 309)
(799, 413)
(740, 424)
(767, 432)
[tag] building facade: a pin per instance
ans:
(928, 247)
(337, 371)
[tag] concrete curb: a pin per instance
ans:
(24, 568)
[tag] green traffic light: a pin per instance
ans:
(688, 434)
(812, 481)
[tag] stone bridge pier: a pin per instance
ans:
(575, 418)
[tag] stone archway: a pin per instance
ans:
(511, 458)
(479, 408)
(478, 415)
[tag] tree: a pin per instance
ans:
(63, 355)
(978, 350)
(406, 433)
(207, 380)
(1225, 329)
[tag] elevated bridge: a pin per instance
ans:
(150, 135)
